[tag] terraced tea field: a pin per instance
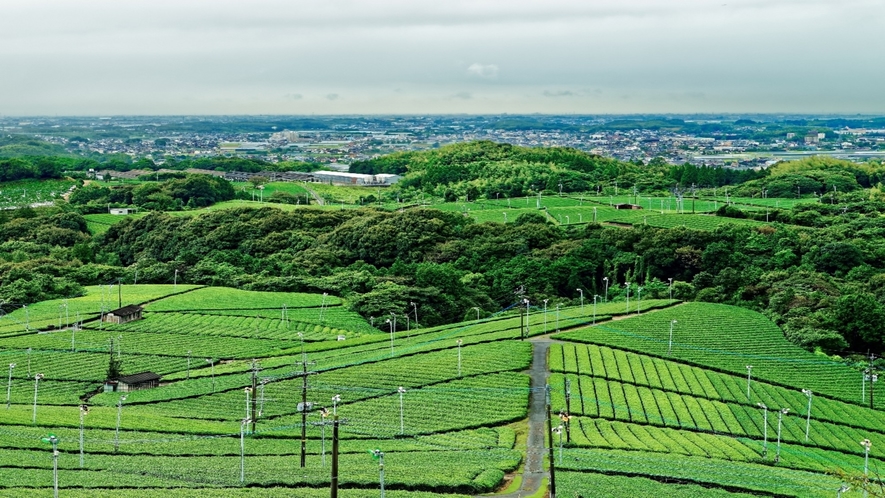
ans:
(453, 408)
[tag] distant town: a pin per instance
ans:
(337, 142)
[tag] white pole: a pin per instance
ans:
(670, 345)
(9, 385)
(863, 388)
(243, 449)
(381, 472)
(248, 391)
(764, 429)
(670, 288)
(545, 315)
(627, 285)
(211, 362)
(606, 288)
(459, 357)
(749, 371)
(594, 308)
(391, 336)
(639, 302)
(54, 466)
(527, 308)
(807, 392)
(866, 463)
(401, 390)
(582, 300)
(117, 431)
(780, 417)
(557, 317)
(36, 384)
(83, 411)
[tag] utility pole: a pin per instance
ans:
(550, 438)
(334, 480)
(303, 374)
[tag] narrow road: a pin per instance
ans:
(536, 444)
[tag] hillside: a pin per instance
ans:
(451, 407)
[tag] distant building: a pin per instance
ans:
(122, 211)
(387, 179)
(627, 206)
(812, 138)
(125, 314)
(791, 135)
(358, 179)
(134, 382)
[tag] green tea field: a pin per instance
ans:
(252, 384)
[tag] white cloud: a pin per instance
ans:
(558, 93)
(489, 71)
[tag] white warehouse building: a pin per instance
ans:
(342, 178)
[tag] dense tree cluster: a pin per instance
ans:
(825, 286)
(492, 170)
(820, 273)
(191, 191)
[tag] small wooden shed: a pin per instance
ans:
(134, 382)
(124, 314)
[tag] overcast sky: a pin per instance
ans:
(93, 57)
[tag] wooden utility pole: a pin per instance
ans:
(334, 479)
(550, 438)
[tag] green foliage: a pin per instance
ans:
(115, 363)
(488, 168)
(191, 191)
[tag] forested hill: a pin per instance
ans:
(825, 289)
(492, 169)
(503, 168)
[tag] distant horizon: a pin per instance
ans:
(431, 114)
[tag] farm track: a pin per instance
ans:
(533, 471)
(315, 196)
